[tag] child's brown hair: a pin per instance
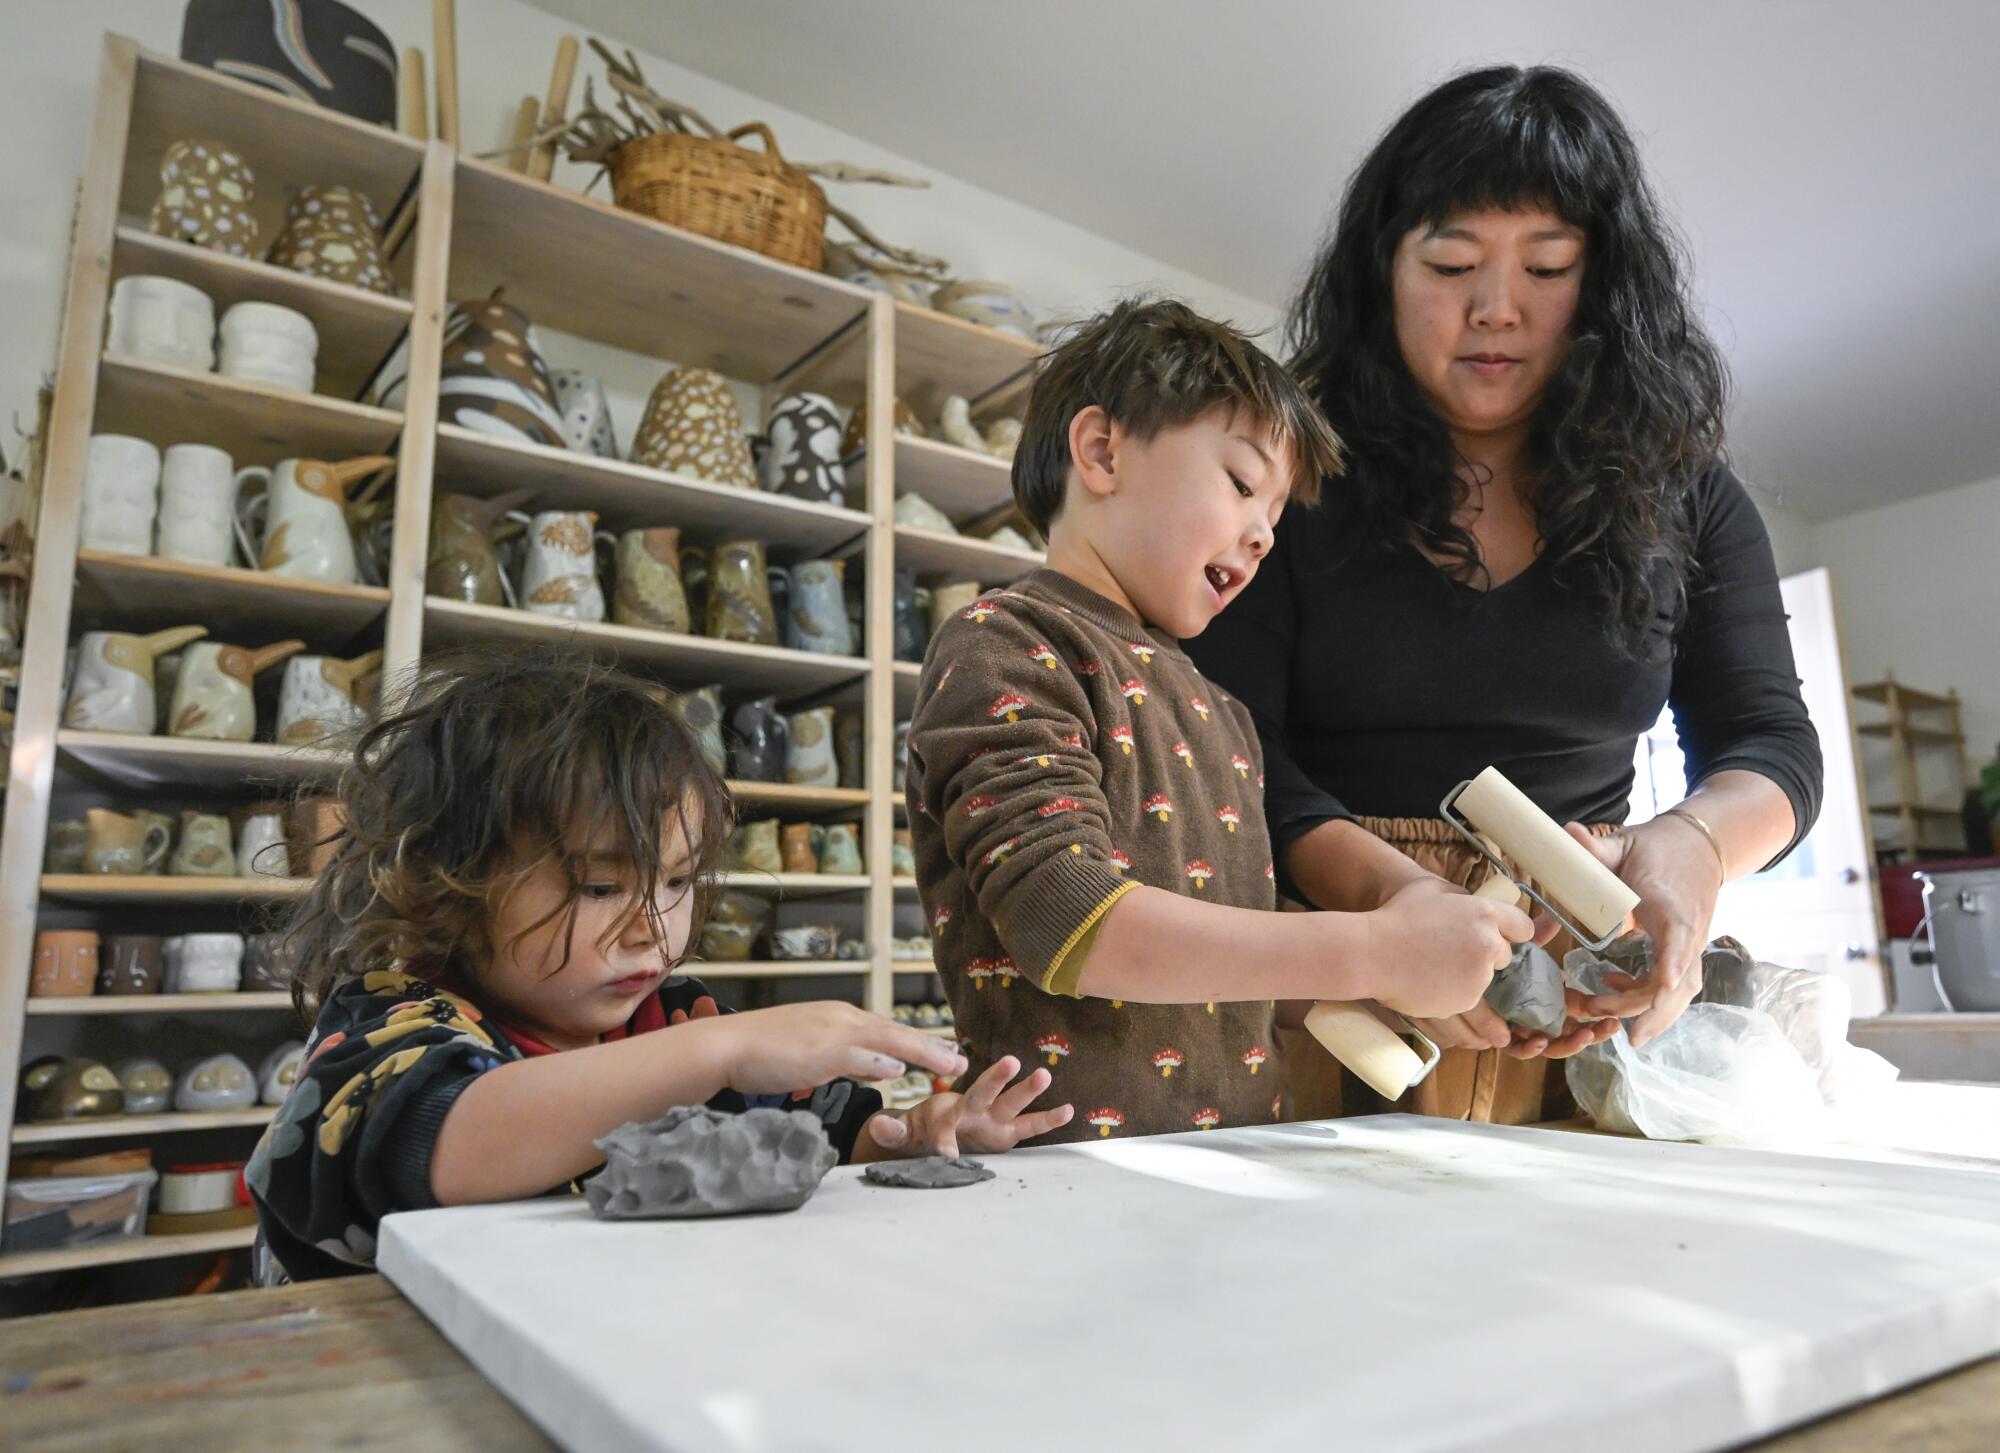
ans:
(499, 761)
(1154, 365)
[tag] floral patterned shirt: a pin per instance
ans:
(389, 1055)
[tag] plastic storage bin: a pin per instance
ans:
(54, 1213)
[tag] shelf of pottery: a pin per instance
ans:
(286, 460)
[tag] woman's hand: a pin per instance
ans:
(989, 1117)
(1669, 863)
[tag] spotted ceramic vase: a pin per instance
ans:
(333, 232)
(205, 195)
(692, 426)
(803, 459)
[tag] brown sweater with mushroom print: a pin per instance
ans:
(1060, 755)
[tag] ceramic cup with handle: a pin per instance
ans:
(462, 565)
(123, 844)
(817, 607)
(112, 690)
(65, 964)
(809, 759)
(203, 850)
(121, 494)
(163, 320)
(213, 699)
(197, 506)
(560, 576)
(841, 850)
(261, 850)
(269, 344)
(323, 697)
(304, 531)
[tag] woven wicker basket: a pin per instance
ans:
(728, 192)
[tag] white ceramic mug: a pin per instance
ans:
(560, 576)
(197, 506)
(260, 847)
(163, 320)
(268, 344)
(204, 963)
(121, 494)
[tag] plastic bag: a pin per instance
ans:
(1529, 991)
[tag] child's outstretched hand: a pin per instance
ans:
(987, 1118)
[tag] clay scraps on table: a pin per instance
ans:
(932, 1173)
(694, 1161)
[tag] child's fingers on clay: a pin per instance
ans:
(1027, 1127)
(1018, 1098)
(981, 1094)
(887, 1130)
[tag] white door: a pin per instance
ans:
(1817, 909)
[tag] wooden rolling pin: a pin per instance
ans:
(1588, 898)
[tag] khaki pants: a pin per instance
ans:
(1468, 1084)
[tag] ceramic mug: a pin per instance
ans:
(261, 850)
(740, 607)
(130, 963)
(818, 609)
(803, 457)
(163, 320)
(559, 577)
(123, 845)
(810, 760)
(841, 851)
(304, 517)
(203, 850)
(65, 964)
(68, 841)
(730, 931)
(322, 697)
(213, 700)
(112, 690)
(268, 344)
(692, 426)
(586, 415)
(649, 592)
(197, 506)
(121, 494)
(799, 852)
(165, 822)
(756, 850)
(206, 963)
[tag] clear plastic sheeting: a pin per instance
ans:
(1759, 1058)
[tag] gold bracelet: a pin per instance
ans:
(1686, 814)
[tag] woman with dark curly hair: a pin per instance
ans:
(1538, 544)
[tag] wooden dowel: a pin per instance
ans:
(543, 163)
(416, 105)
(526, 122)
(444, 32)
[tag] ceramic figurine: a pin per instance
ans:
(814, 941)
(213, 700)
(871, 268)
(586, 414)
(332, 232)
(560, 577)
(955, 424)
(261, 850)
(204, 849)
(693, 427)
(130, 963)
(818, 608)
(113, 687)
(919, 513)
(324, 53)
(739, 595)
(121, 844)
(803, 459)
(649, 592)
(810, 760)
(79, 1089)
(197, 515)
(121, 494)
(850, 739)
(912, 633)
(220, 1082)
(841, 850)
(760, 740)
(205, 195)
(304, 507)
(755, 848)
(147, 1087)
(701, 709)
(279, 1071)
(162, 320)
(267, 344)
(69, 841)
(35, 1076)
(733, 925)
(989, 304)
(65, 964)
(798, 850)
(322, 697)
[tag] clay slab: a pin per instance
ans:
(932, 1173)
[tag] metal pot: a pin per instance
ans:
(1962, 922)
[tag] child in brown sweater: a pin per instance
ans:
(1087, 809)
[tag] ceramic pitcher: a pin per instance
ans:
(123, 844)
(649, 590)
(462, 565)
(760, 740)
(304, 509)
(755, 849)
(810, 760)
(818, 608)
(701, 709)
(739, 595)
(693, 427)
(560, 577)
(204, 850)
(213, 699)
(322, 697)
(800, 844)
(113, 687)
(585, 413)
(803, 459)
(841, 851)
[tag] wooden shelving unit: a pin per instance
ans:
(574, 265)
(1918, 726)
(136, 1248)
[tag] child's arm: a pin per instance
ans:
(528, 1125)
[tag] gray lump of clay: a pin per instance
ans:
(1529, 991)
(694, 1161)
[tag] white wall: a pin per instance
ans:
(505, 52)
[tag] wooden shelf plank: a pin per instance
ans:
(962, 484)
(1917, 809)
(945, 558)
(797, 885)
(782, 969)
(134, 1248)
(173, 761)
(785, 794)
(256, 424)
(119, 1004)
(695, 660)
(937, 355)
(904, 885)
(629, 495)
(357, 328)
(1912, 733)
(1908, 696)
(583, 266)
(286, 142)
(167, 889)
(246, 607)
(111, 1126)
